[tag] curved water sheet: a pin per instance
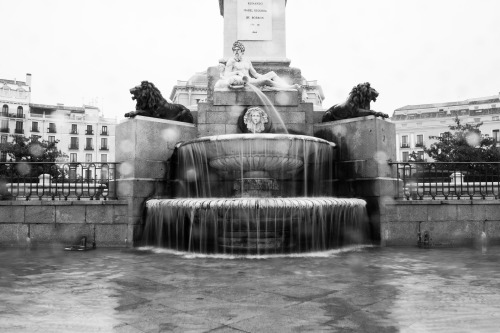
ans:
(197, 255)
(290, 165)
(255, 225)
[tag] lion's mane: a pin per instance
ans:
(150, 103)
(356, 105)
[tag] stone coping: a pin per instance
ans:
(487, 201)
(158, 120)
(62, 203)
(351, 120)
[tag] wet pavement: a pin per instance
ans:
(363, 290)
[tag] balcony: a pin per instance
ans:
(89, 132)
(419, 144)
(4, 114)
(104, 148)
(104, 133)
(73, 132)
(19, 131)
(4, 130)
(35, 130)
(15, 115)
(73, 146)
(89, 147)
(51, 130)
(405, 145)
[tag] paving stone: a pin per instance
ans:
(143, 290)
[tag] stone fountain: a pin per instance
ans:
(256, 173)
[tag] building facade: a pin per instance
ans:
(84, 135)
(415, 123)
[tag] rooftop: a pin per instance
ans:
(471, 101)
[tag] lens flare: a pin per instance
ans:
(23, 169)
(191, 175)
(473, 139)
(126, 169)
(380, 157)
(36, 150)
(170, 134)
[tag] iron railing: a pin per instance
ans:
(447, 180)
(61, 181)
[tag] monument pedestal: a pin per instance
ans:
(144, 146)
(364, 147)
(219, 114)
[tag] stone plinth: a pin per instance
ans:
(364, 147)
(143, 146)
(219, 114)
(247, 97)
(272, 49)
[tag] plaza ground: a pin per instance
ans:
(359, 290)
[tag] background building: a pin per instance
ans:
(415, 123)
(83, 133)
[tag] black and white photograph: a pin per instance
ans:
(250, 166)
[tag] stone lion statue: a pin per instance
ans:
(150, 103)
(356, 105)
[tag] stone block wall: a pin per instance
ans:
(63, 223)
(364, 146)
(221, 117)
(449, 222)
(144, 146)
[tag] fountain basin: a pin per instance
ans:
(255, 225)
(281, 154)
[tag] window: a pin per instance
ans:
(4, 127)
(73, 157)
(19, 127)
(74, 143)
(5, 110)
(52, 128)
(3, 157)
(405, 156)
(89, 130)
(52, 138)
(495, 118)
(104, 130)
(20, 112)
(88, 143)
(74, 129)
(420, 155)
(35, 138)
(420, 140)
(4, 139)
(104, 158)
(496, 137)
(404, 141)
(34, 126)
(104, 143)
(88, 157)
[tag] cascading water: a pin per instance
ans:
(255, 193)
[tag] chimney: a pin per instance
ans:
(28, 79)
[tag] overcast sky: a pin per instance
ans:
(94, 51)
